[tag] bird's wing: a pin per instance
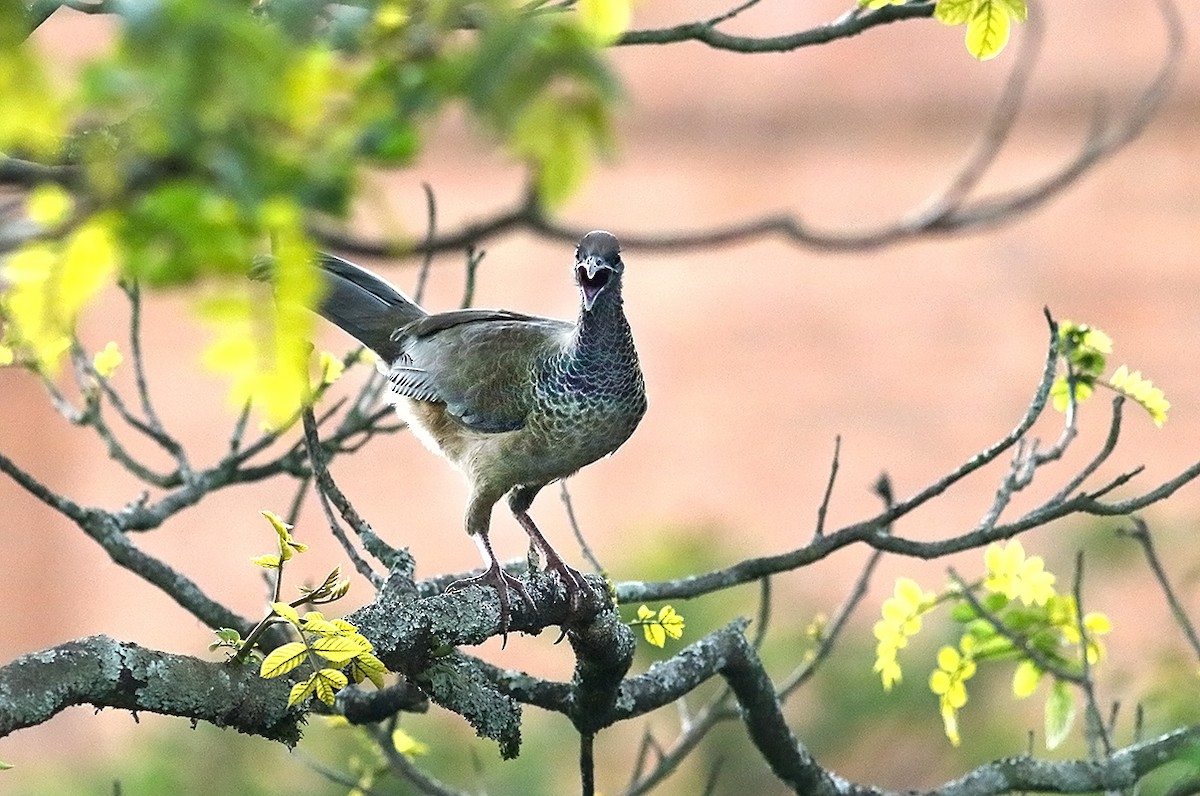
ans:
(480, 363)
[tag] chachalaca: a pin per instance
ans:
(513, 401)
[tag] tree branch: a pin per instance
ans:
(110, 674)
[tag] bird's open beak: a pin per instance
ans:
(592, 274)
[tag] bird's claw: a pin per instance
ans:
(502, 582)
(574, 585)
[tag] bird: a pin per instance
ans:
(513, 401)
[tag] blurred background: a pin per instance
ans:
(757, 356)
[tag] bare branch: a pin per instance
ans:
(573, 521)
(849, 24)
(947, 212)
(327, 490)
(1140, 533)
(823, 509)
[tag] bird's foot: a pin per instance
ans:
(502, 582)
(574, 585)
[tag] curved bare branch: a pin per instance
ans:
(948, 211)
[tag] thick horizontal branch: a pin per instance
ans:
(106, 673)
(1116, 772)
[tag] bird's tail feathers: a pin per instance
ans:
(366, 306)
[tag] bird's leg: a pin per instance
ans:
(519, 501)
(494, 575)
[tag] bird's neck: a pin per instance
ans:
(602, 330)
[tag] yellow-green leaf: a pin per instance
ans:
(366, 664)
(261, 342)
(47, 285)
(106, 360)
(321, 626)
(49, 205)
(337, 649)
(672, 623)
(344, 626)
(988, 29)
(655, 634)
(1025, 679)
(287, 612)
(1060, 393)
(301, 690)
(1017, 9)
(604, 20)
(267, 561)
(407, 745)
(557, 136)
(331, 367)
(327, 682)
(283, 659)
(1060, 714)
(282, 529)
(5, 766)
(954, 12)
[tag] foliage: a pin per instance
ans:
(207, 133)
(1086, 350)
(213, 131)
(988, 22)
(336, 641)
(658, 626)
(1013, 613)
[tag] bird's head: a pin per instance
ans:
(598, 265)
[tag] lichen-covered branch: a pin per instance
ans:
(106, 673)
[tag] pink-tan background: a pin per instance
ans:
(756, 355)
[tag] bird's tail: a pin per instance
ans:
(365, 305)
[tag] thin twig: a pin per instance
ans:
(154, 424)
(430, 235)
(474, 257)
(573, 521)
(406, 769)
(1093, 719)
(1040, 659)
(833, 470)
(1140, 533)
(327, 488)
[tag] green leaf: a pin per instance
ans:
(5, 766)
(963, 613)
(1060, 714)
(995, 602)
(283, 659)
